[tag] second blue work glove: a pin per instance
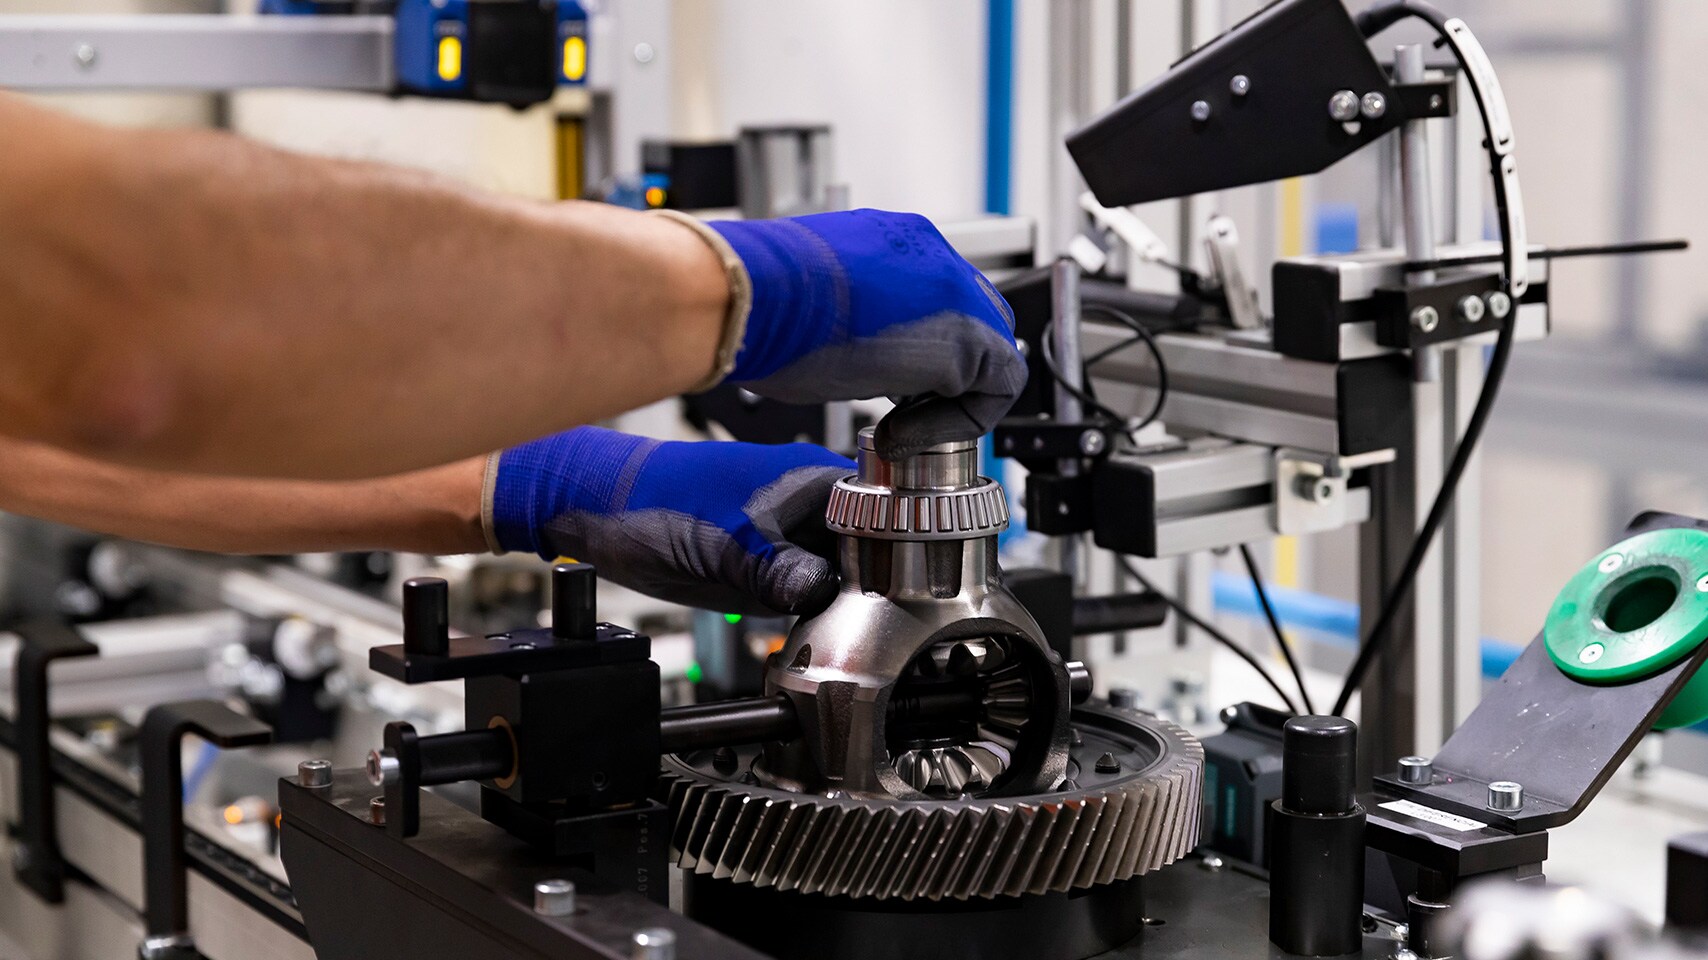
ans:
(736, 527)
(866, 303)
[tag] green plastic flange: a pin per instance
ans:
(1635, 610)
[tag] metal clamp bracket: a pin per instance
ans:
(1310, 488)
(37, 860)
(166, 905)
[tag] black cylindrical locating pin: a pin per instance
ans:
(426, 616)
(574, 601)
(1316, 837)
(1319, 762)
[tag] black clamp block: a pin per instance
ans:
(1687, 883)
(402, 785)
(1036, 441)
(429, 653)
(166, 906)
(1428, 98)
(37, 861)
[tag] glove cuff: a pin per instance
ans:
(585, 470)
(488, 487)
(740, 298)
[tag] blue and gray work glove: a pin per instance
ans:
(863, 303)
(736, 527)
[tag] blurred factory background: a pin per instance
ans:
(957, 109)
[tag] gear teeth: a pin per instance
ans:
(941, 849)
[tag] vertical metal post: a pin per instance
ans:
(1401, 698)
(1462, 535)
(1070, 99)
(1417, 199)
(1070, 361)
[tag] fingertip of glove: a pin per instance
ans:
(924, 422)
(800, 582)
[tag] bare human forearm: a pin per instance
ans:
(436, 510)
(190, 300)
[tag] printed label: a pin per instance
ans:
(1437, 817)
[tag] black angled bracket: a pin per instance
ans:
(166, 906)
(403, 790)
(37, 861)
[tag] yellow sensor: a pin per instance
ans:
(450, 58)
(655, 196)
(574, 58)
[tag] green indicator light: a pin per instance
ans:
(694, 673)
(732, 617)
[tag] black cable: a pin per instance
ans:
(1087, 400)
(1214, 634)
(1275, 626)
(1396, 597)
(1085, 394)
(1143, 333)
(1379, 17)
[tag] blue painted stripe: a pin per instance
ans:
(999, 106)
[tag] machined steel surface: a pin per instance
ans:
(1130, 806)
(920, 609)
(211, 52)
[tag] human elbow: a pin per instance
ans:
(118, 405)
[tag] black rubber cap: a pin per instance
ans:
(426, 616)
(1319, 764)
(575, 610)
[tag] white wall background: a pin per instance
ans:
(901, 82)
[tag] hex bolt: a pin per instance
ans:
(1500, 305)
(1426, 318)
(1240, 85)
(1373, 105)
(1343, 106)
(1092, 442)
(382, 767)
(1123, 698)
(554, 898)
(1506, 796)
(376, 811)
(1200, 110)
(314, 773)
(1314, 489)
(1470, 308)
(724, 760)
(1416, 770)
(653, 943)
(1108, 764)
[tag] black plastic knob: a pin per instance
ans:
(427, 616)
(575, 608)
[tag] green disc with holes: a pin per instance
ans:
(1636, 609)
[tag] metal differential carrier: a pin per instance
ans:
(941, 758)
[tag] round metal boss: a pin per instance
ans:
(1634, 611)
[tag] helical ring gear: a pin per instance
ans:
(1130, 806)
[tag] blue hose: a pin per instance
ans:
(199, 770)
